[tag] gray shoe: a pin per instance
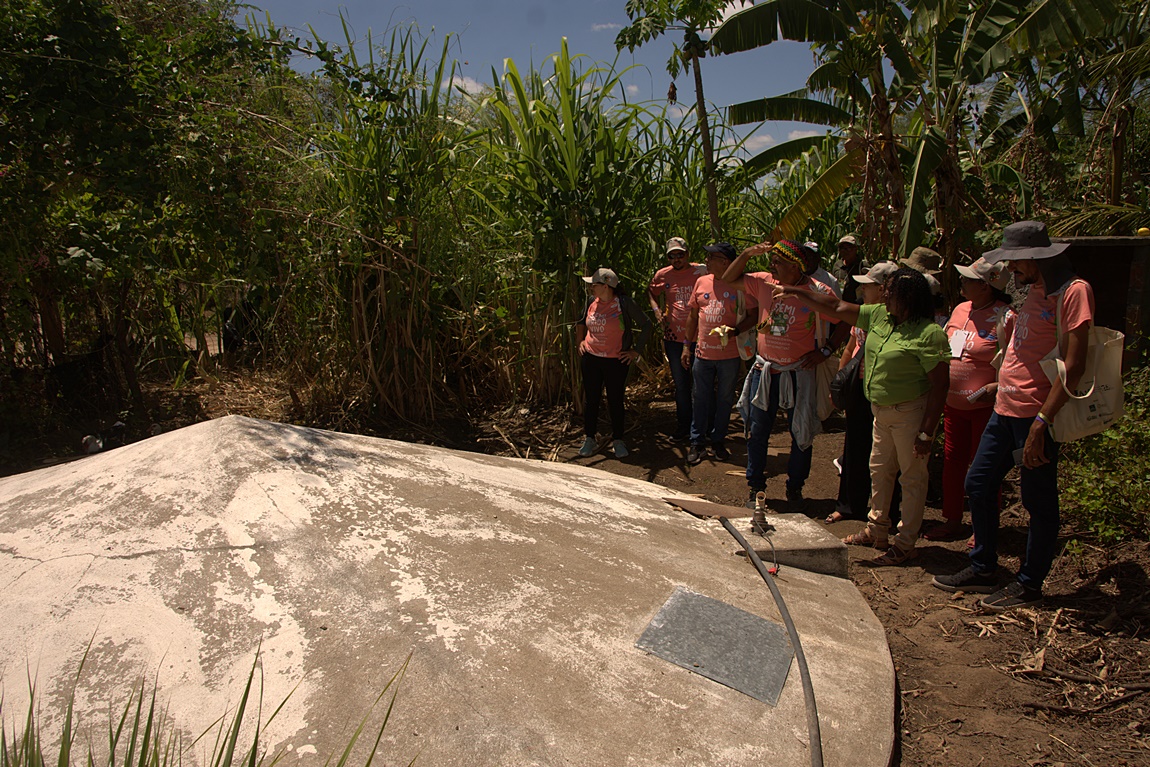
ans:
(694, 455)
(620, 449)
(589, 448)
(968, 580)
(1013, 595)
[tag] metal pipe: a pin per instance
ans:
(813, 732)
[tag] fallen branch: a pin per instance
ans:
(510, 444)
(1088, 679)
(1084, 711)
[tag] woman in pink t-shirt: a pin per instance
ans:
(977, 329)
(604, 336)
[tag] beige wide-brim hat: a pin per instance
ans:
(1025, 240)
(923, 260)
(994, 275)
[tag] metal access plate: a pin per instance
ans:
(721, 642)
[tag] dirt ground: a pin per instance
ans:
(1065, 684)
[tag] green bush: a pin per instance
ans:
(1106, 478)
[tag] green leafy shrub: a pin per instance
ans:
(1106, 478)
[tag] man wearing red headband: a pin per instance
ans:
(791, 344)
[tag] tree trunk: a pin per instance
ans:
(1122, 119)
(708, 151)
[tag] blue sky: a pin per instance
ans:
(488, 31)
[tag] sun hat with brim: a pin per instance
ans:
(675, 245)
(877, 274)
(724, 249)
(923, 260)
(603, 277)
(1025, 240)
(994, 275)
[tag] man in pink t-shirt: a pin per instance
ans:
(674, 284)
(792, 342)
(712, 327)
(1057, 312)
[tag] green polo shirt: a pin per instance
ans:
(898, 357)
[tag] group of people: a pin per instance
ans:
(907, 365)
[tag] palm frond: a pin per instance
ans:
(768, 160)
(767, 22)
(787, 108)
(931, 150)
(820, 195)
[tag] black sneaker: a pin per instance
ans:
(721, 452)
(968, 580)
(795, 499)
(1013, 595)
(694, 456)
(680, 437)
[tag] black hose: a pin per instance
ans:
(813, 731)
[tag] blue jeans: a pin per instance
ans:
(714, 397)
(762, 422)
(682, 378)
(995, 457)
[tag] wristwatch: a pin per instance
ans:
(826, 350)
(922, 435)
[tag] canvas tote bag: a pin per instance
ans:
(1098, 400)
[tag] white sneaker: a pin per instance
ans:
(620, 449)
(589, 448)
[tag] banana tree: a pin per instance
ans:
(954, 48)
(847, 90)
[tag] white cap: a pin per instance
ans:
(603, 277)
(994, 275)
(877, 274)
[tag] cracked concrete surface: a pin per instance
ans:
(514, 591)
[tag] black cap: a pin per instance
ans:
(725, 249)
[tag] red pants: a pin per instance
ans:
(963, 431)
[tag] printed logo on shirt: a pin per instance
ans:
(1022, 327)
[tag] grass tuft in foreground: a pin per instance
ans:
(141, 736)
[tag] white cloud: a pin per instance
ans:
(632, 90)
(468, 84)
(804, 134)
(605, 27)
(678, 110)
(731, 9)
(752, 145)
(758, 142)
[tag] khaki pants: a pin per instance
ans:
(895, 428)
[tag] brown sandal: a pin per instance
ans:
(863, 538)
(895, 556)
